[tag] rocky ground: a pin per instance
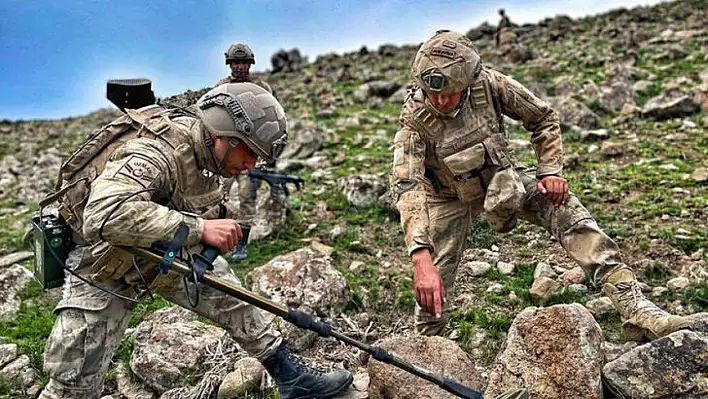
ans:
(632, 89)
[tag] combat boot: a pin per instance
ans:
(641, 317)
(295, 380)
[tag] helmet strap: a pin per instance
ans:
(221, 163)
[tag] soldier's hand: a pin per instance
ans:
(429, 288)
(555, 188)
(222, 234)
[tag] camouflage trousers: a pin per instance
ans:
(572, 224)
(91, 324)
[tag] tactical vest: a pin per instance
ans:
(465, 151)
(88, 162)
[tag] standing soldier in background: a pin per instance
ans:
(239, 58)
(505, 32)
(451, 162)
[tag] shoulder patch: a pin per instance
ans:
(139, 169)
(449, 44)
(478, 95)
(428, 120)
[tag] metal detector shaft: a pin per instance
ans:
(306, 321)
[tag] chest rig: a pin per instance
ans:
(464, 152)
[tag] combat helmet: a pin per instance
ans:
(245, 112)
(446, 63)
(240, 52)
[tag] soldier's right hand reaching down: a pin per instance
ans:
(222, 234)
(429, 288)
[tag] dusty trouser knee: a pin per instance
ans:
(246, 323)
(575, 229)
(450, 221)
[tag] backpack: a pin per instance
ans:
(88, 162)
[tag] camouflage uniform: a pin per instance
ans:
(91, 322)
(447, 169)
(505, 30)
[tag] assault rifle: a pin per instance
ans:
(275, 180)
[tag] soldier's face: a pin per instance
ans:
(239, 69)
(444, 102)
(240, 158)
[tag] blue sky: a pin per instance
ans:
(55, 56)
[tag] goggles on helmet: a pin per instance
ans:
(434, 79)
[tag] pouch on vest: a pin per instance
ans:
(112, 265)
(467, 166)
(504, 199)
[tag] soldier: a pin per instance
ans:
(239, 57)
(505, 33)
(451, 162)
(154, 183)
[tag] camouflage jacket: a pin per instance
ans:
(181, 191)
(259, 82)
(453, 156)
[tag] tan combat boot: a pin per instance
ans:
(641, 317)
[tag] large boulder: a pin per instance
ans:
(287, 61)
(304, 139)
(305, 280)
(378, 88)
(13, 281)
(553, 352)
(164, 352)
(675, 366)
(435, 354)
(574, 113)
(672, 104)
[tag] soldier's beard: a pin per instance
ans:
(240, 76)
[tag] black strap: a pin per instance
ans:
(173, 248)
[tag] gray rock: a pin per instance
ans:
(306, 280)
(20, 371)
(671, 104)
(129, 388)
(600, 306)
(8, 353)
(599, 134)
(474, 268)
(246, 376)
(362, 190)
(577, 288)
(678, 283)
(13, 280)
(305, 137)
(616, 96)
(544, 286)
(574, 113)
(553, 352)
(390, 382)
(164, 353)
(16, 257)
(506, 268)
(543, 269)
(674, 366)
(613, 351)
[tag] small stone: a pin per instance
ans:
(496, 288)
(678, 283)
(612, 149)
(321, 248)
(577, 289)
(361, 382)
(357, 266)
(506, 268)
(336, 232)
(16, 257)
(311, 227)
(665, 217)
(659, 291)
(246, 376)
(544, 286)
(600, 306)
(8, 353)
(495, 248)
(512, 296)
(477, 268)
(700, 175)
(574, 276)
(543, 269)
(599, 134)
